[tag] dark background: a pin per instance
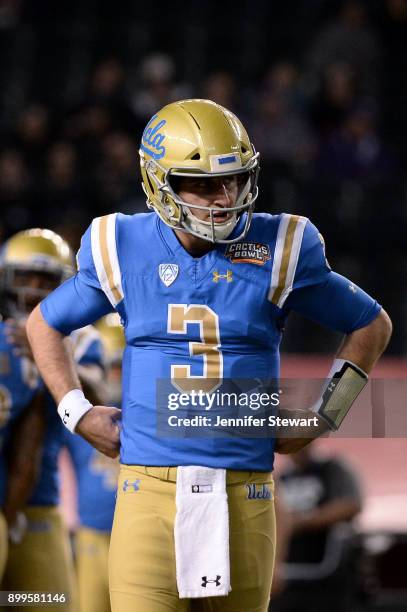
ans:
(321, 86)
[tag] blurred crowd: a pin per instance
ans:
(320, 86)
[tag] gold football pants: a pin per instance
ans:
(92, 551)
(142, 555)
(43, 560)
(3, 544)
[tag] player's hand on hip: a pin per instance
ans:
(100, 427)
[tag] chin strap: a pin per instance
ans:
(219, 231)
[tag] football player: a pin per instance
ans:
(33, 263)
(96, 479)
(202, 285)
(22, 414)
(21, 432)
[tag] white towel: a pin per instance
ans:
(202, 532)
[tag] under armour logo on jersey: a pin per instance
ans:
(331, 387)
(352, 288)
(168, 273)
(66, 416)
(131, 485)
(228, 277)
(205, 581)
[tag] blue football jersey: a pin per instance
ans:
(218, 316)
(96, 480)
(19, 382)
(87, 349)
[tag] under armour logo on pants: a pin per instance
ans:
(135, 486)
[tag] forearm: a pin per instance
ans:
(94, 386)
(362, 347)
(24, 458)
(20, 484)
(52, 355)
(98, 425)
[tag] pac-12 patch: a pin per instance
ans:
(168, 273)
(248, 252)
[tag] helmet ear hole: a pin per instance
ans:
(197, 156)
(243, 149)
(150, 184)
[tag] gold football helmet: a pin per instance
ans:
(38, 252)
(113, 341)
(197, 138)
(112, 336)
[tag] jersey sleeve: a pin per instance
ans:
(302, 280)
(313, 267)
(96, 289)
(336, 303)
(299, 258)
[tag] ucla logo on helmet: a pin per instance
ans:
(152, 139)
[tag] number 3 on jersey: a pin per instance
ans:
(179, 316)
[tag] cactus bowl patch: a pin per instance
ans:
(248, 252)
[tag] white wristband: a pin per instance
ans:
(72, 407)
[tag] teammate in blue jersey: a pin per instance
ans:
(203, 288)
(21, 431)
(96, 480)
(33, 263)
